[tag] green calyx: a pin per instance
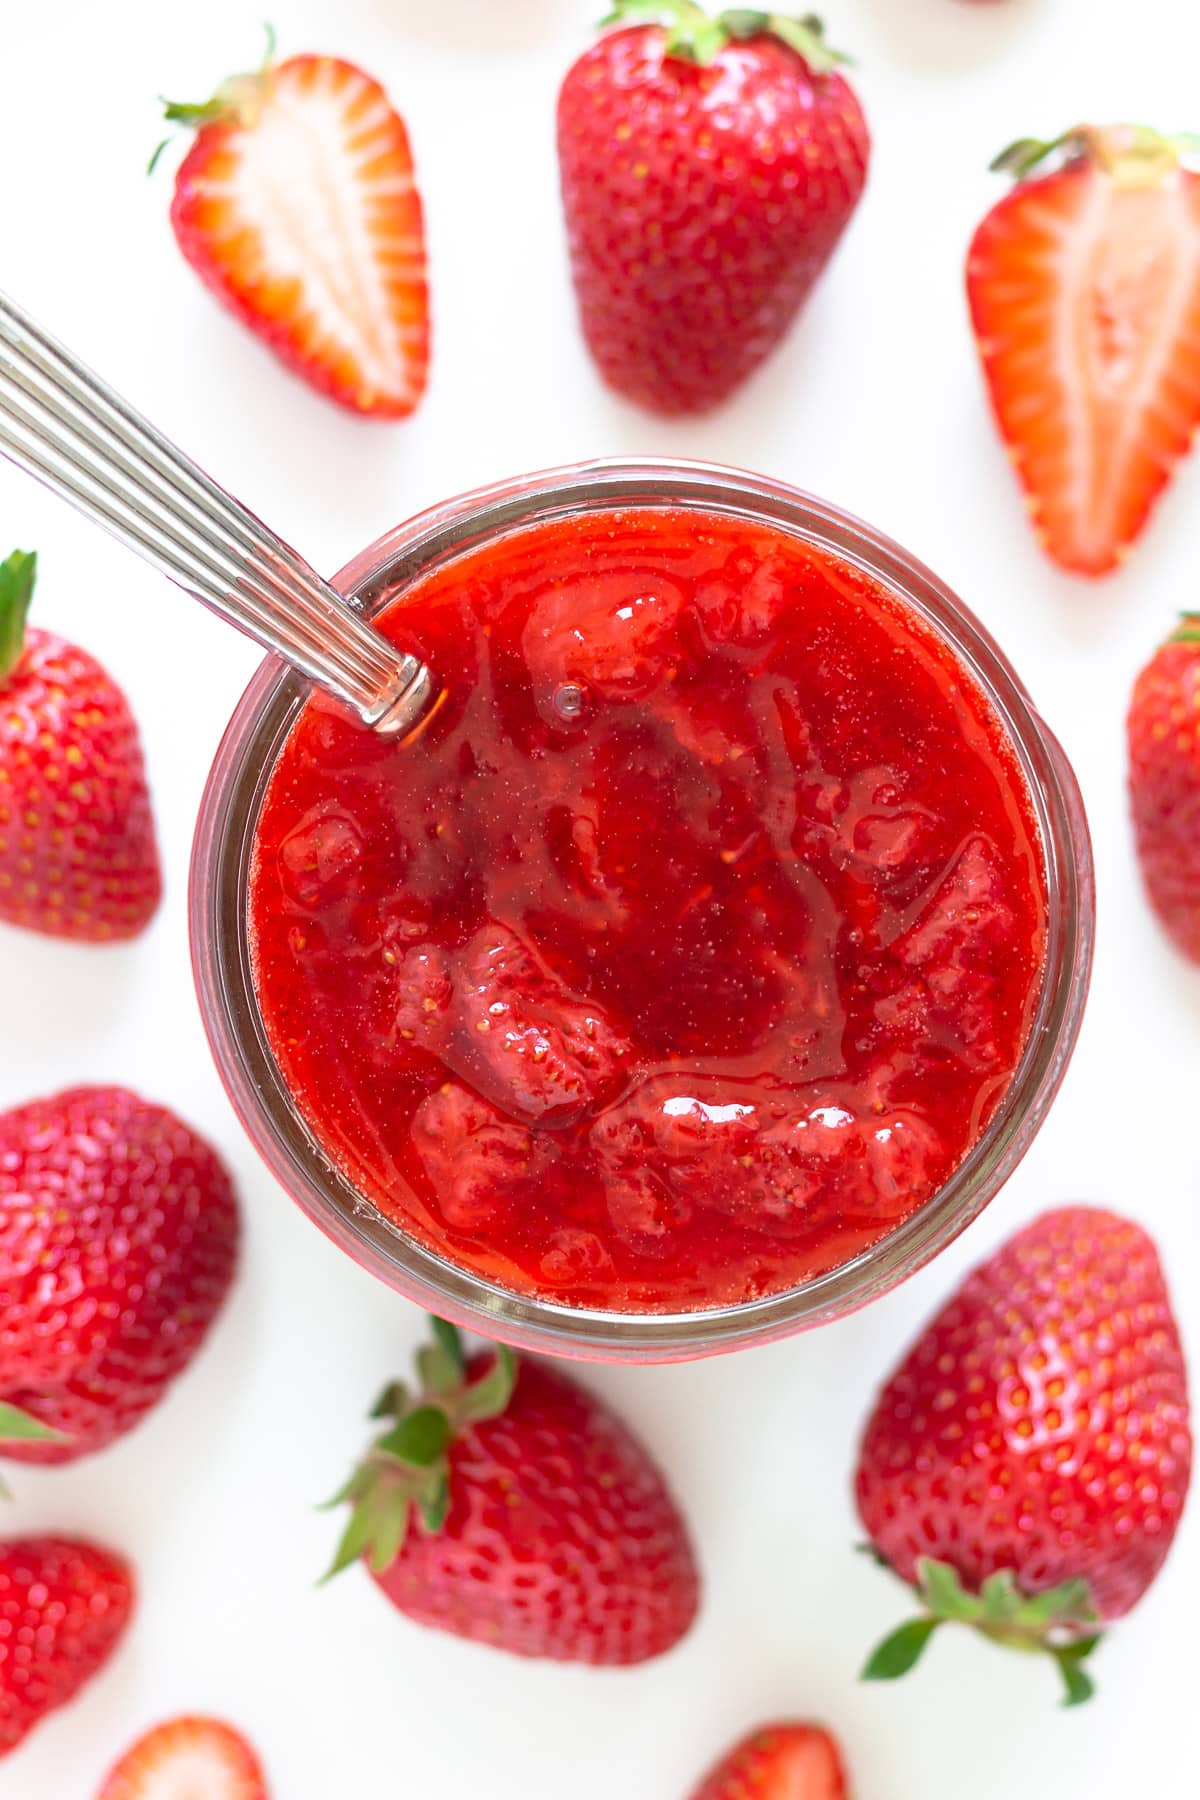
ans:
(1059, 1623)
(694, 35)
(407, 1468)
(240, 98)
(1134, 155)
(17, 577)
(1188, 629)
(17, 1426)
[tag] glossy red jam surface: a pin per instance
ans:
(691, 945)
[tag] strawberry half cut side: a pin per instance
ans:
(1084, 290)
(297, 205)
(188, 1759)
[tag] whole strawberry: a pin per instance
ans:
(1164, 782)
(64, 1605)
(507, 1505)
(297, 206)
(118, 1238)
(778, 1762)
(1084, 288)
(77, 852)
(1026, 1466)
(709, 167)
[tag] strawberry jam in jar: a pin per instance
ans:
(701, 964)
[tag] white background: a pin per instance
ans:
(875, 403)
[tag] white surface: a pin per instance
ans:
(874, 403)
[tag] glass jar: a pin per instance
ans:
(221, 955)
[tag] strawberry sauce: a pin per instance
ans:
(689, 947)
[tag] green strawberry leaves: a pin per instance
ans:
(441, 1365)
(805, 36)
(17, 577)
(407, 1468)
(1054, 1622)
(900, 1652)
(419, 1439)
(694, 35)
(1024, 155)
(17, 1426)
(1076, 1680)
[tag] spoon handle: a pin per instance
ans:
(62, 424)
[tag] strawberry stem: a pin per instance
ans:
(1053, 1623)
(17, 577)
(694, 35)
(409, 1465)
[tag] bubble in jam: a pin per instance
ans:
(691, 946)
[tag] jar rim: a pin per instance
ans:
(237, 1037)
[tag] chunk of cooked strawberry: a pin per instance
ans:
(677, 1144)
(422, 992)
(744, 602)
(879, 830)
(524, 1040)
(954, 950)
(319, 859)
(616, 633)
(476, 1159)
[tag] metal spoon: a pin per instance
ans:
(62, 424)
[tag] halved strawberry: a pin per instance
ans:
(188, 1759)
(297, 205)
(1084, 286)
(778, 1762)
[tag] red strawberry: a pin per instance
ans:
(77, 851)
(63, 1607)
(118, 1237)
(543, 1527)
(778, 1762)
(708, 171)
(297, 206)
(1084, 287)
(1026, 1466)
(188, 1759)
(1164, 782)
